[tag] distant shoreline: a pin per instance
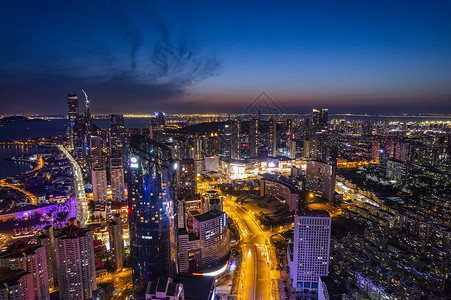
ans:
(34, 164)
(11, 167)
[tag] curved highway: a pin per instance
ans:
(82, 204)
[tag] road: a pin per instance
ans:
(79, 187)
(257, 281)
(259, 277)
(39, 165)
(32, 198)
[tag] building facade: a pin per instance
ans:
(153, 211)
(117, 179)
(186, 179)
(282, 191)
(72, 113)
(310, 253)
(75, 262)
(31, 258)
(320, 179)
(211, 229)
(99, 185)
(16, 284)
(115, 231)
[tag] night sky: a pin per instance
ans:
(217, 56)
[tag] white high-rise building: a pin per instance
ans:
(308, 258)
(31, 258)
(75, 262)
(117, 178)
(99, 184)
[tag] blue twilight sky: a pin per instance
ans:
(212, 56)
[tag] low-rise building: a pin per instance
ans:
(164, 289)
(283, 191)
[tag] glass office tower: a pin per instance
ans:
(153, 213)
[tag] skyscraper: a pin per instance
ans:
(186, 179)
(291, 147)
(117, 178)
(309, 258)
(157, 127)
(273, 137)
(211, 229)
(235, 141)
(253, 138)
(117, 140)
(31, 258)
(99, 184)
(88, 118)
(48, 241)
(72, 113)
(116, 242)
(16, 284)
(95, 151)
(318, 135)
(320, 178)
(390, 148)
(288, 133)
(153, 211)
(375, 150)
(75, 261)
(320, 119)
(401, 151)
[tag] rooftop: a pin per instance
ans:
(19, 249)
(161, 286)
(286, 184)
(72, 231)
(11, 277)
(209, 215)
(196, 287)
(314, 213)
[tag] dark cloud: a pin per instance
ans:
(180, 62)
(119, 53)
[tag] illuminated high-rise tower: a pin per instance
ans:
(186, 179)
(320, 119)
(273, 137)
(253, 137)
(99, 184)
(117, 178)
(153, 211)
(75, 262)
(157, 127)
(117, 141)
(375, 150)
(72, 113)
(116, 242)
(235, 141)
(88, 117)
(309, 257)
(31, 258)
(318, 134)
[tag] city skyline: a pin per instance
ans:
(278, 206)
(203, 57)
(225, 150)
